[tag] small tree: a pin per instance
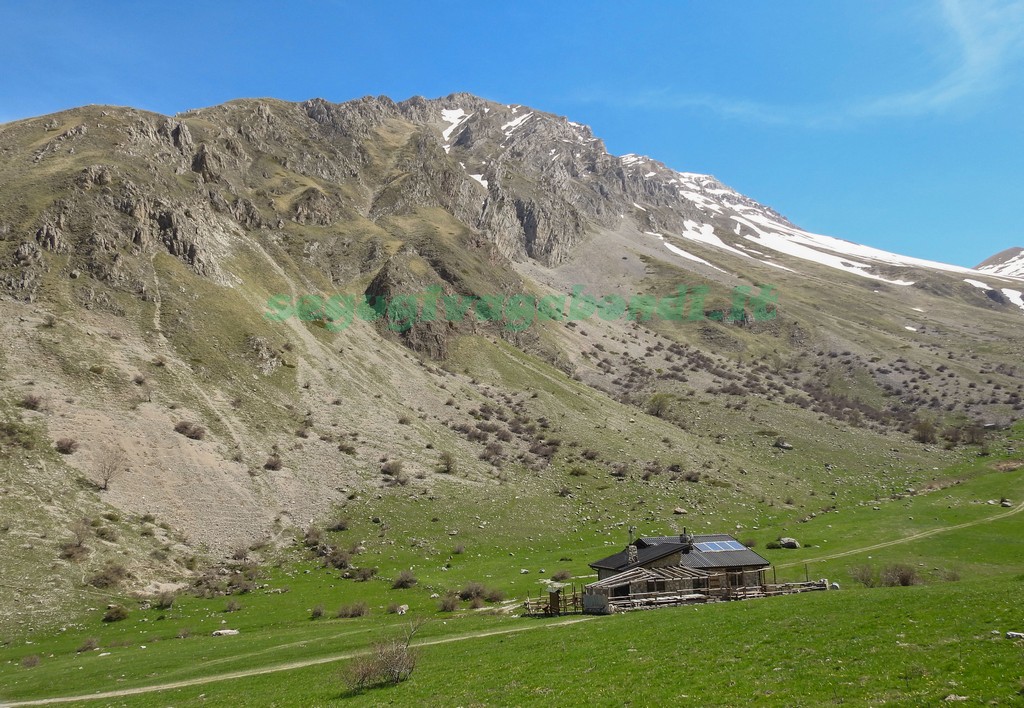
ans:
(925, 430)
(390, 662)
(112, 464)
(658, 405)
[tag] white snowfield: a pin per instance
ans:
(1012, 268)
(455, 117)
(756, 224)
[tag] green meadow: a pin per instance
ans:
(915, 645)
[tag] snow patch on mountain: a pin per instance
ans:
(510, 127)
(977, 284)
(1011, 268)
(1014, 296)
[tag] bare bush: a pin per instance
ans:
(899, 575)
(355, 609)
(364, 574)
(472, 589)
(446, 463)
(190, 429)
(339, 525)
(165, 600)
(865, 575)
(392, 468)
(32, 402)
(405, 579)
(116, 613)
(273, 463)
(90, 644)
(112, 575)
(112, 463)
(66, 446)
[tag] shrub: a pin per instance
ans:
(561, 575)
(190, 430)
(658, 405)
(356, 609)
(494, 595)
(107, 533)
(459, 549)
(950, 575)
(899, 575)
(317, 612)
(165, 600)
(446, 463)
(30, 662)
(273, 463)
(449, 603)
(116, 613)
(89, 644)
(233, 606)
(337, 558)
(32, 402)
(339, 525)
(773, 545)
(405, 579)
(66, 446)
(110, 576)
(391, 468)
(865, 575)
(472, 589)
(363, 574)
(390, 662)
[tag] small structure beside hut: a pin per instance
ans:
(669, 570)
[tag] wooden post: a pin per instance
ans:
(807, 574)
(775, 580)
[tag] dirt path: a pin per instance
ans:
(279, 667)
(917, 536)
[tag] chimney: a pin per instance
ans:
(686, 539)
(631, 554)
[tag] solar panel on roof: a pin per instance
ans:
(712, 546)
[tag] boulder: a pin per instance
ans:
(788, 542)
(224, 632)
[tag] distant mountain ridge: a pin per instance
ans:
(138, 254)
(1009, 262)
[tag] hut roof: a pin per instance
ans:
(716, 550)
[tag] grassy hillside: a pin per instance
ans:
(907, 645)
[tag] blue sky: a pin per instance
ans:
(895, 124)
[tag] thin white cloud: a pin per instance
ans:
(989, 35)
(985, 36)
